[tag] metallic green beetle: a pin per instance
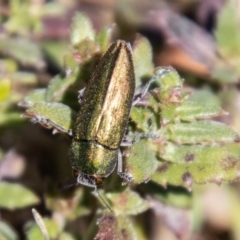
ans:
(103, 117)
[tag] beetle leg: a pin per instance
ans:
(144, 91)
(136, 138)
(59, 128)
(80, 95)
(126, 143)
(123, 175)
(119, 162)
(147, 135)
(141, 95)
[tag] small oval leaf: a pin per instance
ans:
(7, 232)
(52, 115)
(81, 29)
(36, 96)
(206, 132)
(142, 55)
(198, 165)
(141, 161)
(13, 196)
(127, 203)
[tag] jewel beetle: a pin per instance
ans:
(103, 117)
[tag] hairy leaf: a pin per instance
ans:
(36, 96)
(189, 111)
(127, 203)
(57, 87)
(142, 55)
(140, 162)
(207, 132)
(81, 29)
(104, 37)
(197, 164)
(52, 115)
(23, 50)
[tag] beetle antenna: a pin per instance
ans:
(67, 186)
(105, 203)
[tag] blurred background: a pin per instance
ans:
(199, 38)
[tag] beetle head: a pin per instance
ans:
(88, 180)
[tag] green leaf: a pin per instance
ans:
(52, 115)
(10, 117)
(22, 20)
(127, 203)
(140, 162)
(5, 88)
(203, 96)
(172, 195)
(207, 132)
(227, 68)
(226, 72)
(228, 24)
(36, 96)
(190, 111)
(58, 86)
(7, 232)
(70, 63)
(66, 236)
(197, 164)
(55, 50)
(41, 224)
(104, 37)
(53, 229)
(26, 78)
(8, 66)
(171, 84)
(143, 118)
(81, 29)
(86, 50)
(188, 153)
(13, 196)
(23, 50)
(112, 227)
(168, 78)
(142, 55)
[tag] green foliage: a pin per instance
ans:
(17, 196)
(127, 203)
(23, 50)
(141, 161)
(7, 232)
(207, 132)
(81, 29)
(227, 70)
(5, 86)
(52, 115)
(142, 55)
(196, 164)
(228, 25)
(174, 141)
